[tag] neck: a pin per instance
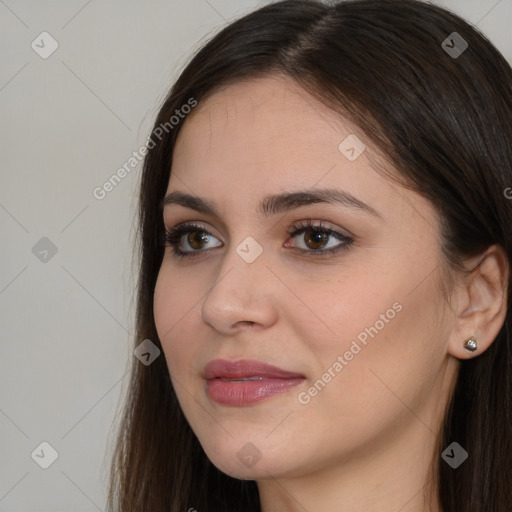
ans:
(391, 475)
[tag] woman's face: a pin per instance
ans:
(351, 315)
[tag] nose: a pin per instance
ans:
(242, 295)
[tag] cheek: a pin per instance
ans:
(345, 314)
(174, 309)
(385, 344)
(392, 377)
(177, 295)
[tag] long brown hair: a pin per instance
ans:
(445, 123)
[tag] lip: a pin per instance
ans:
(225, 386)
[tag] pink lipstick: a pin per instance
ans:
(245, 382)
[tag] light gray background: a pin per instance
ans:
(68, 123)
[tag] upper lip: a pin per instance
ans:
(244, 368)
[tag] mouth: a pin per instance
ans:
(244, 382)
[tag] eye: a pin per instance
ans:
(188, 240)
(318, 240)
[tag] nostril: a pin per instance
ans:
(246, 323)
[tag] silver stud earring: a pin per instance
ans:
(470, 344)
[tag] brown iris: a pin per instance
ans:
(197, 237)
(318, 239)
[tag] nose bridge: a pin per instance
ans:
(244, 257)
(239, 293)
(241, 270)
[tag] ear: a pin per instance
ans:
(480, 301)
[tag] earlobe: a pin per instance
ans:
(482, 302)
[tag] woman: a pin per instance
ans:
(325, 249)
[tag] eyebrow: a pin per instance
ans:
(275, 204)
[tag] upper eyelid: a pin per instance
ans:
(329, 226)
(191, 225)
(303, 224)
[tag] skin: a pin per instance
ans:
(366, 440)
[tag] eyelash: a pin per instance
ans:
(172, 237)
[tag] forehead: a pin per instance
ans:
(263, 129)
(267, 136)
(264, 112)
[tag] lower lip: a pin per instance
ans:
(247, 392)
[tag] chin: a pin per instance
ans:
(248, 462)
